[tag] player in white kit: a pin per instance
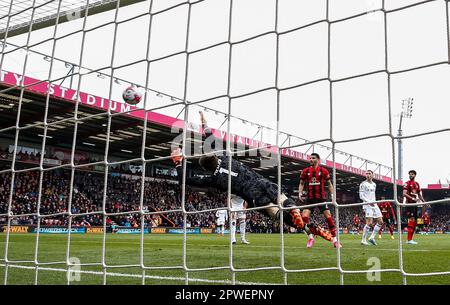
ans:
(222, 217)
(367, 190)
(238, 215)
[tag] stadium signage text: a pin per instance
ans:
(158, 230)
(62, 92)
(94, 230)
(130, 231)
(15, 229)
(58, 230)
(226, 231)
(181, 230)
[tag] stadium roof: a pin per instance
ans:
(126, 132)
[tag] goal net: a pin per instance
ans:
(277, 80)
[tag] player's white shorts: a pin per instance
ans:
(238, 215)
(372, 211)
(220, 222)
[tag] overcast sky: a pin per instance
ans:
(416, 36)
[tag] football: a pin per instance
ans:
(131, 96)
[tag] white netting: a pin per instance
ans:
(35, 9)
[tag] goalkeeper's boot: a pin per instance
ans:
(317, 230)
(412, 242)
(373, 241)
(336, 244)
(245, 242)
(364, 242)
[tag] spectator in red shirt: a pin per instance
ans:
(356, 222)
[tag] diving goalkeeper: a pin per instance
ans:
(246, 183)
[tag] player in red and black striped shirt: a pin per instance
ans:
(388, 217)
(314, 179)
(412, 194)
(356, 223)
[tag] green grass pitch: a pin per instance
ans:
(432, 254)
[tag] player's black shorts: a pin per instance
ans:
(322, 208)
(411, 212)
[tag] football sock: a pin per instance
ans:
(365, 232)
(233, 230)
(331, 226)
(375, 231)
(242, 226)
(411, 227)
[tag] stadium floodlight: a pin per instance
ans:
(99, 75)
(47, 58)
(407, 108)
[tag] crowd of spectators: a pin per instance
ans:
(123, 195)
